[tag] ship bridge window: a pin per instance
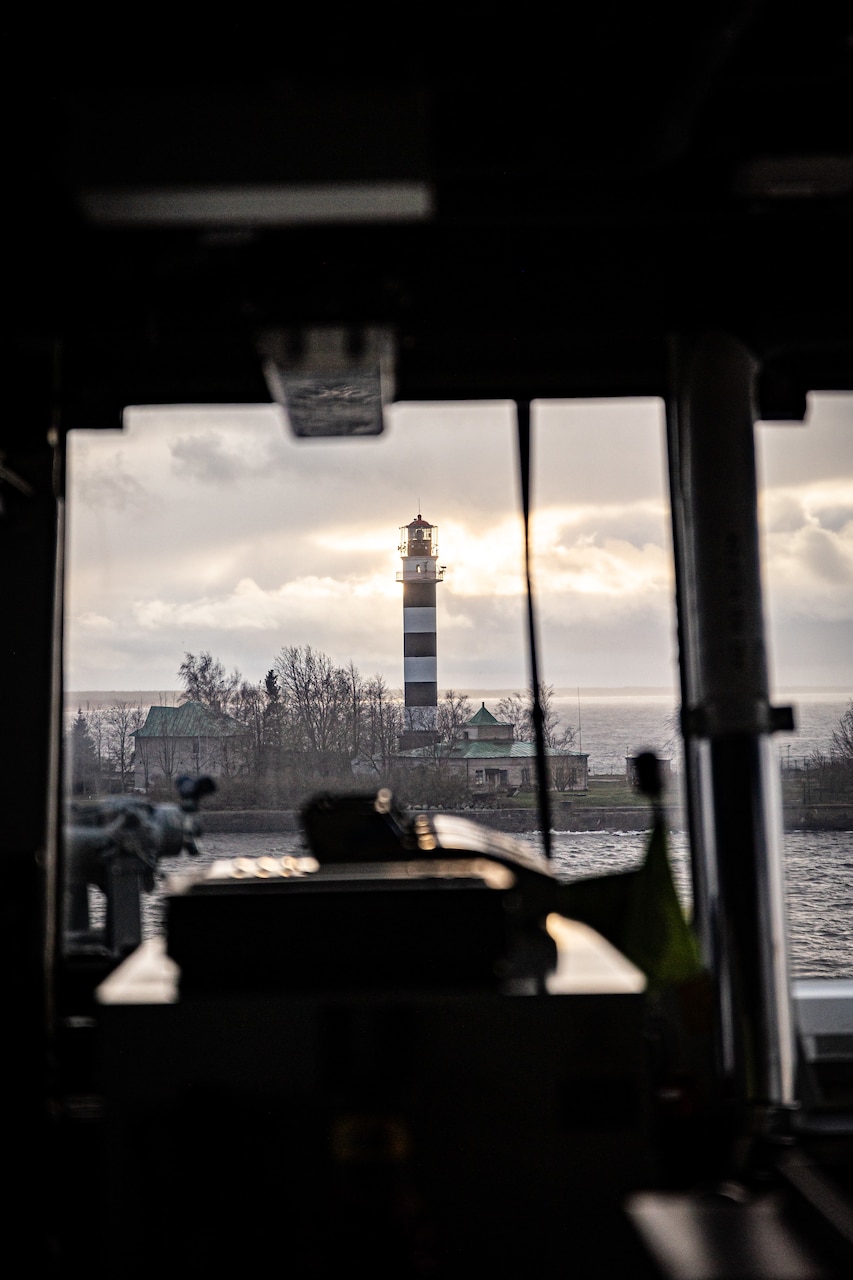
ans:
(239, 607)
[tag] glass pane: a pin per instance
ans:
(603, 558)
(242, 605)
(806, 522)
(604, 582)
(237, 607)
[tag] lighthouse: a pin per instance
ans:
(420, 572)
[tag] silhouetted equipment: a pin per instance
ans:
(356, 1020)
(115, 845)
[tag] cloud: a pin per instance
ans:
(836, 516)
(789, 507)
(809, 571)
(250, 608)
(213, 528)
(636, 644)
(484, 559)
(206, 457)
(827, 557)
(783, 511)
(615, 554)
(608, 454)
(96, 624)
(106, 485)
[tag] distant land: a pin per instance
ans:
(91, 699)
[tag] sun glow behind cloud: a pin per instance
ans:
(589, 562)
(483, 559)
(212, 529)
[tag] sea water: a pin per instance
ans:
(818, 880)
(610, 727)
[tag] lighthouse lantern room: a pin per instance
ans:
(418, 549)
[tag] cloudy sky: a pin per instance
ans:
(215, 529)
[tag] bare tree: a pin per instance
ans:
(553, 734)
(512, 710)
(357, 701)
(248, 708)
(673, 744)
(96, 722)
(518, 710)
(204, 680)
(383, 721)
(842, 735)
(837, 774)
(122, 720)
(317, 699)
(454, 711)
(165, 753)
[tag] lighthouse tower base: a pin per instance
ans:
(412, 739)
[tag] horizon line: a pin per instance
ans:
(500, 690)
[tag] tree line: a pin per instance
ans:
(311, 725)
(307, 725)
(825, 777)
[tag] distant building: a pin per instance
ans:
(189, 739)
(483, 727)
(664, 767)
(486, 757)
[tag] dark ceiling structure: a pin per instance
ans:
(532, 207)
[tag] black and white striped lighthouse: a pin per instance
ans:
(419, 575)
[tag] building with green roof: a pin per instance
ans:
(189, 739)
(486, 758)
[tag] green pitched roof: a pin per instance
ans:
(483, 716)
(190, 720)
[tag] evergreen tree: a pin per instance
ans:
(82, 763)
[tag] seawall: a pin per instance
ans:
(565, 816)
